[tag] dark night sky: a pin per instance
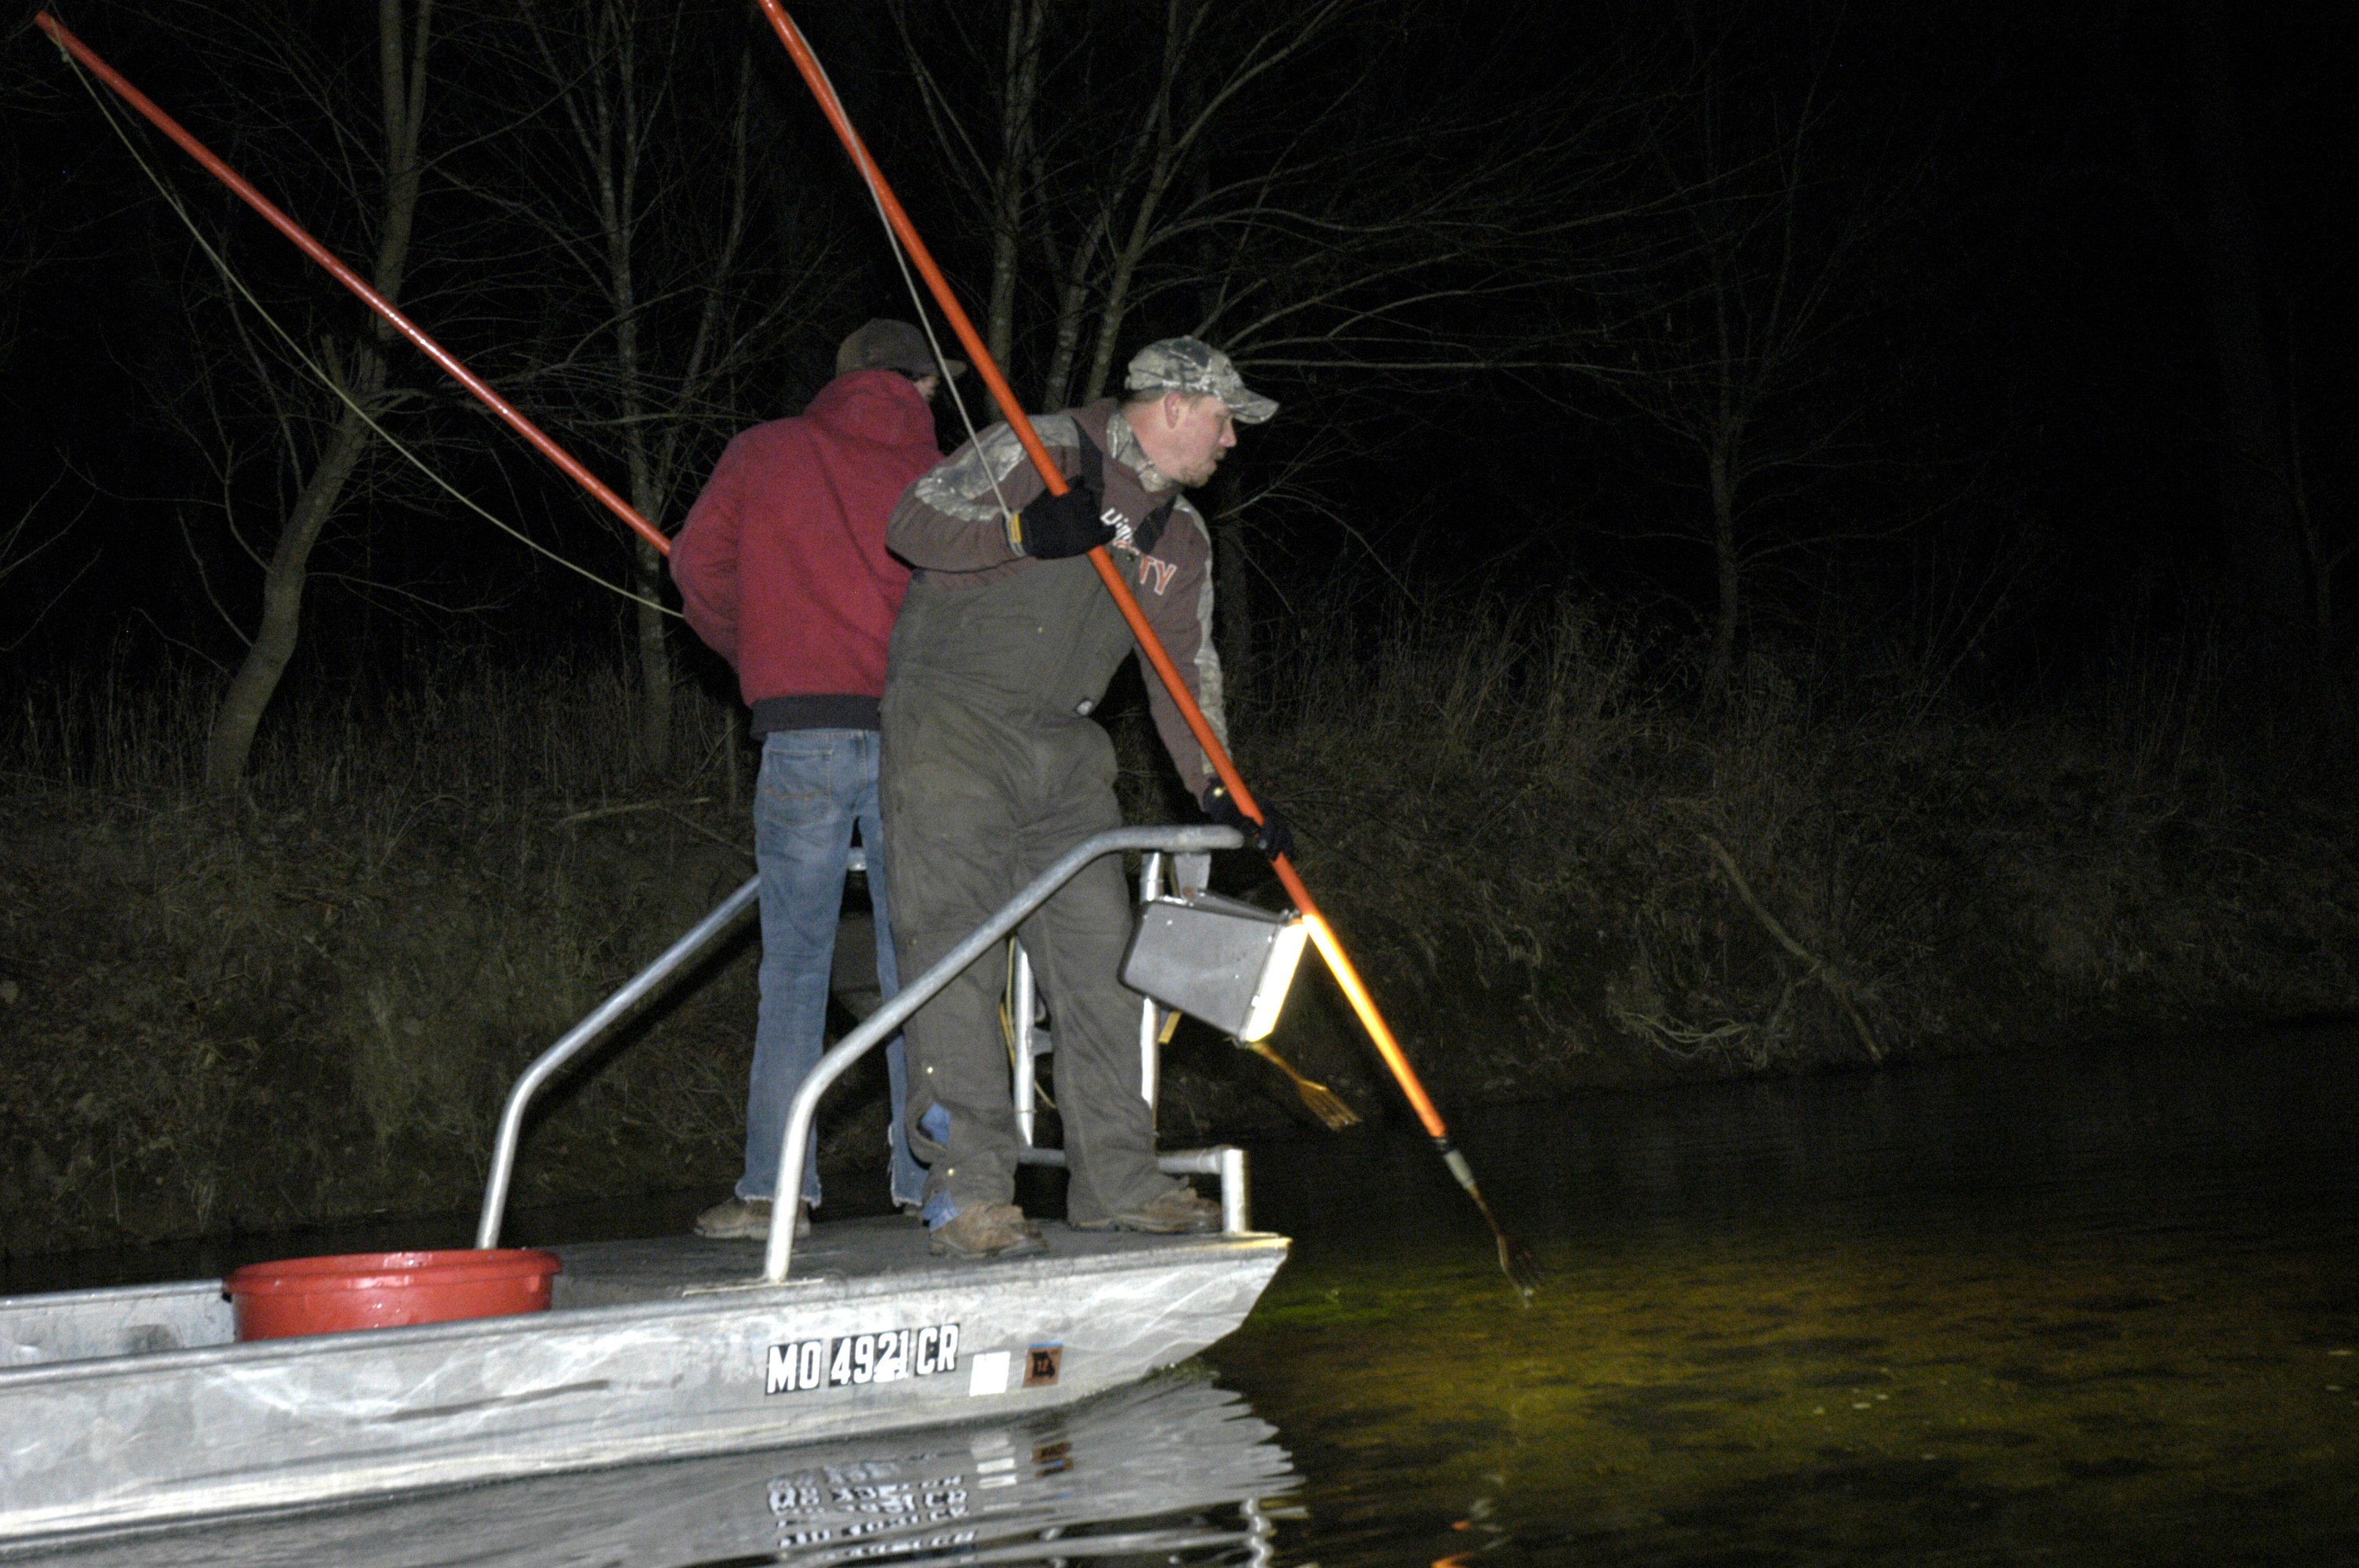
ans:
(2052, 333)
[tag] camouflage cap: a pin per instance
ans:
(892, 345)
(1184, 364)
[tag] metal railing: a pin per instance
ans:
(1228, 1164)
(504, 1150)
(1189, 872)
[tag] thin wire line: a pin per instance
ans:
(229, 276)
(918, 298)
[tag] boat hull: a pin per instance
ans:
(652, 1352)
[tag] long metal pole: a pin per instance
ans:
(1513, 1256)
(352, 280)
(570, 1044)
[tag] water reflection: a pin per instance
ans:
(1174, 1470)
(2098, 1310)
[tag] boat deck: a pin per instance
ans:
(883, 1254)
(882, 1248)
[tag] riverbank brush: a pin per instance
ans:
(1559, 874)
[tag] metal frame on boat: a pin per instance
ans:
(137, 1406)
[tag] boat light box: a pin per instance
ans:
(1216, 959)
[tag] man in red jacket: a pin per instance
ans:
(782, 570)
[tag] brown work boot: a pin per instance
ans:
(985, 1230)
(745, 1219)
(1181, 1211)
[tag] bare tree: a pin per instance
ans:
(2286, 531)
(1331, 192)
(1739, 328)
(31, 534)
(1300, 181)
(673, 274)
(21, 255)
(298, 74)
(2188, 130)
(2257, 474)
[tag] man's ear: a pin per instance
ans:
(1174, 409)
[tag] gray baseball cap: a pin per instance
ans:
(892, 345)
(1184, 364)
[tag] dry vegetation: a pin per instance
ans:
(309, 1004)
(1561, 878)
(306, 1005)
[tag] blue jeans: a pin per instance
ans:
(816, 785)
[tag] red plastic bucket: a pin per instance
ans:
(384, 1290)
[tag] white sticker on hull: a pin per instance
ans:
(851, 1360)
(987, 1373)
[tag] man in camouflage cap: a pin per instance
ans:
(993, 769)
(1186, 365)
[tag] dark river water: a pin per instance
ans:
(2091, 1309)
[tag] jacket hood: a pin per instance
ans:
(880, 406)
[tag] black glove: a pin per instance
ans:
(1056, 526)
(1271, 835)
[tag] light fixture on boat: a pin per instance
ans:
(1216, 959)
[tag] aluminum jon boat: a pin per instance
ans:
(139, 1406)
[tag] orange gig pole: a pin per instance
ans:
(1514, 1256)
(352, 280)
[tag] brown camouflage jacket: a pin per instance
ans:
(1039, 640)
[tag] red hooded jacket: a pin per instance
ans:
(781, 564)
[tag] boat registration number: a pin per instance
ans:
(884, 1356)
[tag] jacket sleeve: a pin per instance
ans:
(704, 554)
(1182, 619)
(954, 519)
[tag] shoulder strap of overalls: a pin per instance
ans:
(1150, 527)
